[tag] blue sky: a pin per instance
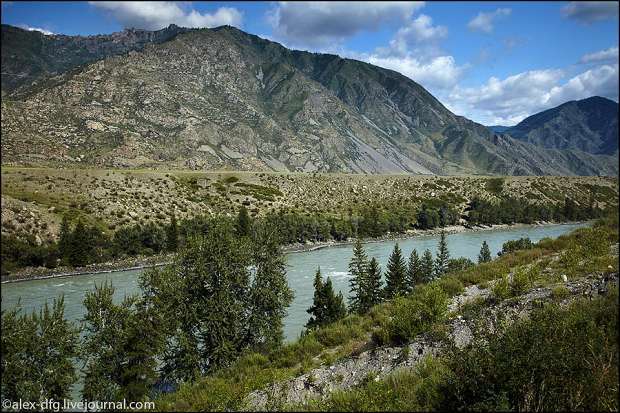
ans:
(494, 62)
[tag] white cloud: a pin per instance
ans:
(604, 56)
(483, 22)
(35, 29)
(510, 100)
(419, 31)
(436, 74)
(323, 23)
(154, 15)
(590, 11)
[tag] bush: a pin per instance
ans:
(560, 359)
(415, 314)
(514, 245)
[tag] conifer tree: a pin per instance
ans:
(415, 273)
(327, 307)
(79, 245)
(358, 267)
(317, 310)
(270, 294)
(172, 235)
(374, 293)
(64, 241)
(427, 266)
(443, 256)
(244, 223)
(485, 253)
(395, 275)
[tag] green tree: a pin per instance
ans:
(244, 222)
(120, 346)
(327, 307)
(415, 274)
(358, 267)
(396, 274)
(427, 266)
(172, 235)
(270, 294)
(443, 256)
(485, 253)
(64, 239)
(80, 246)
(373, 287)
(37, 354)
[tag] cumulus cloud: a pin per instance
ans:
(155, 15)
(604, 56)
(35, 29)
(590, 11)
(510, 100)
(435, 74)
(483, 22)
(322, 23)
(419, 31)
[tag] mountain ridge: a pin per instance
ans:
(222, 98)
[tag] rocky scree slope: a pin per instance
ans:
(221, 98)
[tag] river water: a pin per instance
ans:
(301, 268)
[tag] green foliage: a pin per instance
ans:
(518, 244)
(358, 267)
(443, 256)
(415, 273)
(495, 185)
(396, 275)
(37, 354)
(485, 253)
(560, 359)
(120, 346)
(327, 307)
(244, 222)
(459, 264)
(428, 266)
(414, 314)
(172, 235)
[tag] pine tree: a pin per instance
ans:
(374, 294)
(327, 307)
(317, 309)
(172, 235)
(79, 245)
(270, 293)
(244, 222)
(485, 253)
(427, 266)
(64, 241)
(443, 256)
(395, 276)
(334, 304)
(415, 273)
(358, 267)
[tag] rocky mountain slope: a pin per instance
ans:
(589, 125)
(28, 56)
(221, 98)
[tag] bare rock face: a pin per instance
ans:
(221, 98)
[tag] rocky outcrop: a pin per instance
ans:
(377, 363)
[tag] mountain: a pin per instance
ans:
(498, 128)
(29, 55)
(221, 98)
(589, 125)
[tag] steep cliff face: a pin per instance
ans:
(221, 98)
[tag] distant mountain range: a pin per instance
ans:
(221, 98)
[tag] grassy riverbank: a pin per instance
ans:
(559, 271)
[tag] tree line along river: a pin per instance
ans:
(301, 267)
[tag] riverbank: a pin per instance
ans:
(138, 263)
